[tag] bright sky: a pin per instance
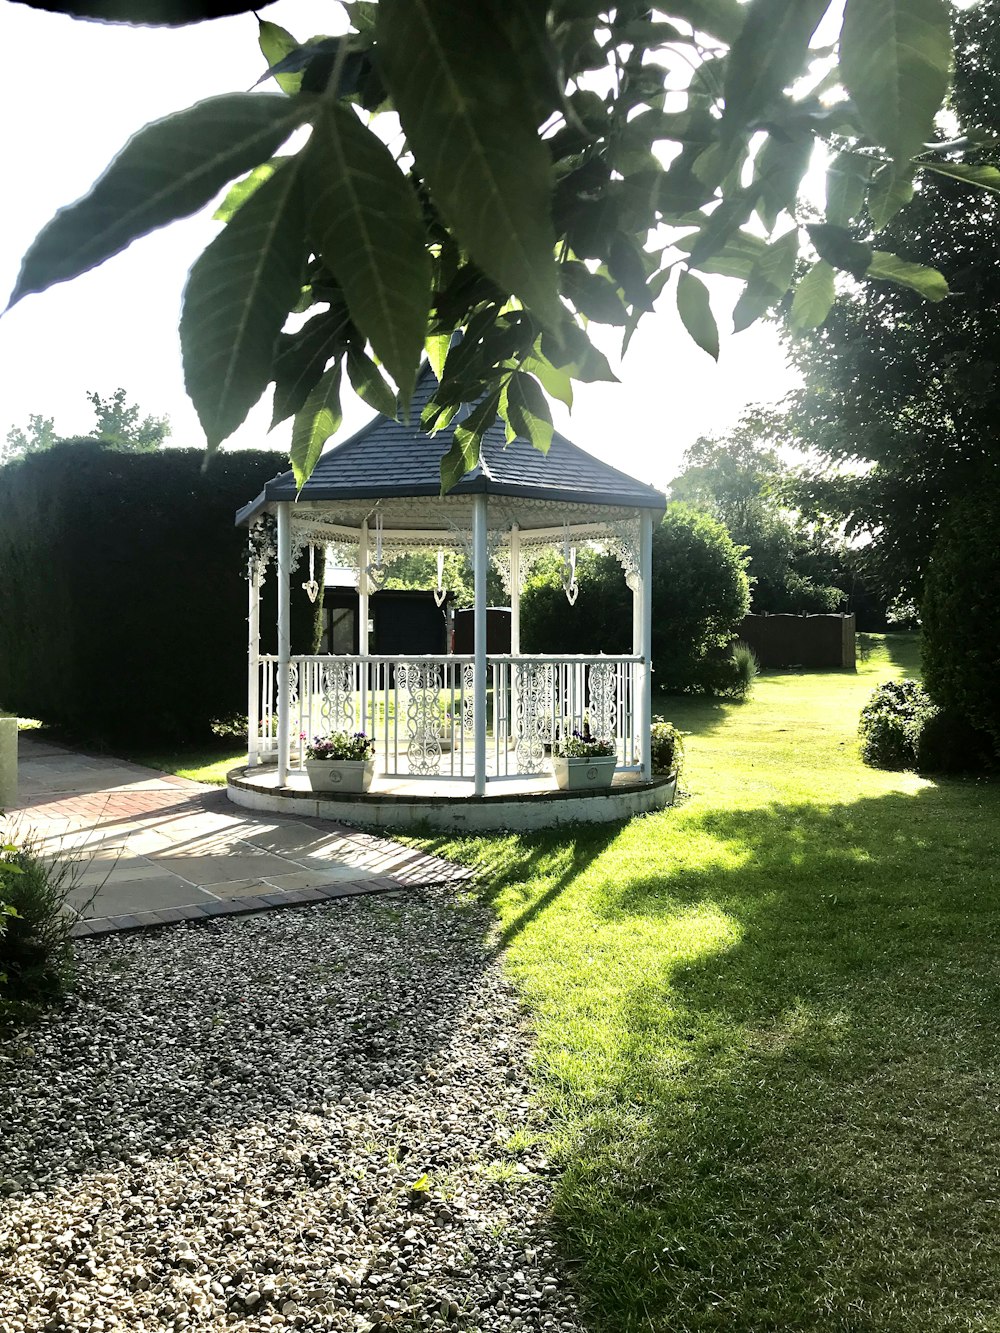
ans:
(72, 94)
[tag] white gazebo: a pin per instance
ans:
(450, 730)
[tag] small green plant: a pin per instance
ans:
(35, 947)
(891, 723)
(341, 745)
(666, 748)
(746, 669)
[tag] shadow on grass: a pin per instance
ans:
(784, 1111)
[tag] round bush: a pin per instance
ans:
(891, 722)
(667, 748)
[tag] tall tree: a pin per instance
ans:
(40, 434)
(119, 423)
(901, 398)
(544, 147)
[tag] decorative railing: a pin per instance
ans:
(420, 709)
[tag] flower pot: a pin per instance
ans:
(347, 775)
(584, 774)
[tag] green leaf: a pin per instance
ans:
(769, 280)
(778, 169)
(768, 55)
(554, 380)
(734, 260)
(453, 81)
(593, 295)
(236, 300)
(318, 419)
(463, 455)
(695, 310)
(526, 411)
(168, 13)
(813, 297)
(891, 189)
(275, 43)
(366, 222)
(368, 383)
(986, 177)
(838, 247)
(240, 191)
(302, 357)
(167, 171)
(846, 183)
(437, 345)
(890, 268)
(895, 61)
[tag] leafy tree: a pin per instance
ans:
(118, 423)
(41, 434)
(699, 590)
(901, 398)
(794, 566)
(544, 148)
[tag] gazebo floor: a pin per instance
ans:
(443, 804)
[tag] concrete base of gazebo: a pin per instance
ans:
(401, 803)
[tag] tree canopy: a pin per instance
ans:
(119, 423)
(561, 162)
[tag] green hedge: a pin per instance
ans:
(122, 598)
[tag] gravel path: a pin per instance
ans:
(301, 1120)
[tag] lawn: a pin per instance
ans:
(766, 1028)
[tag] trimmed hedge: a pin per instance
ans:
(122, 598)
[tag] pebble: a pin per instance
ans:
(295, 1121)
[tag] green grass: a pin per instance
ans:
(766, 1028)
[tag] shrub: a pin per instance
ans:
(891, 722)
(667, 748)
(961, 642)
(35, 949)
(949, 743)
(746, 666)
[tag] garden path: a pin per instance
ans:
(145, 848)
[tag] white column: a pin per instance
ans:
(479, 563)
(284, 634)
(253, 665)
(515, 590)
(363, 591)
(646, 640)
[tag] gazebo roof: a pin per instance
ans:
(388, 458)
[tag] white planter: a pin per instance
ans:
(347, 775)
(584, 774)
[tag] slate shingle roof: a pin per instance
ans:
(388, 458)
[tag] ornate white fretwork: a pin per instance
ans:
(624, 546)
(263, 545)
(533, 705)
(468, 697)
(601, 690)
(419, 686)
(337, 706)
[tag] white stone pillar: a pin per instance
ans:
(480, 560)
(515, 590)
(284, 634)
(253, 665)
(363, 590)
(646, 640)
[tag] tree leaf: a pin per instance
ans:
(891, 189)
(718, 18)
(167, 171)
(276, 43)
(166, 13)
(813, 297)
(302, 358)
(695, 310)
(366, 221)
(895, 61)
(318, 419)
(554, 379)
(846, 183)
(437, 345)
(237, 297)
(838, 247)
(593, 295)
(890, 268)
(368, 384)
(736, 258)
(769, 280)
(986, 177)
(778, 169)
(766, 56)
(452, 79)
(240, 191)
(463, 455)
(524, 407)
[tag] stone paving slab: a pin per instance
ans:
(150, 849)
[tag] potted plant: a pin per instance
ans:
(584, 762)
(341, 762)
